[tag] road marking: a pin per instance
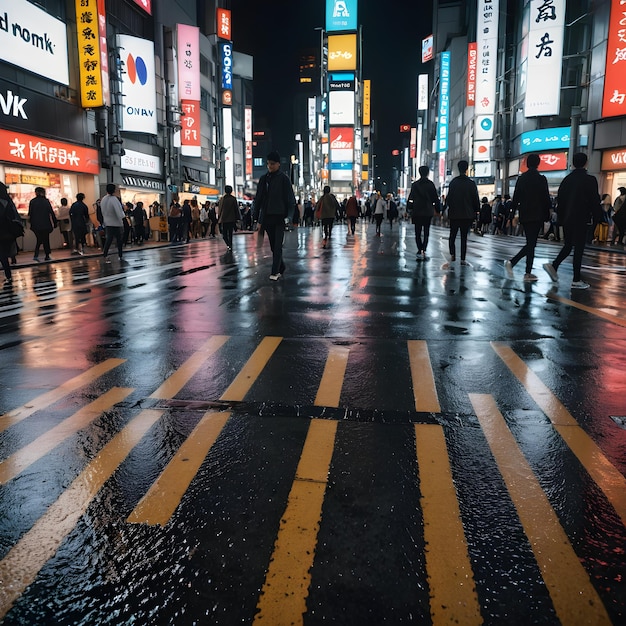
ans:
(286, 587)
(453, 598)
(329, 391)
(424, 389)
(620, 321)
(605, 475)
(50, 397)
(238, 389)
(181, 376)
(159, 503)
(26, 456)
(574, 597)
(19, 568)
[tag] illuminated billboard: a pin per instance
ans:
(226, 55)
(89, 55)
(614, 99)
(341, 15)
(444, 102)
(342, 52)
(224, 25)
(486, 60)
(341, 107)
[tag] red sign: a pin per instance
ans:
(40, 152)
(405, 128)
(146, 5)
(614, 100)
(614, 160)
(472, 56)
(395, 152)
(341, 138)
(227, 97)
(550, 162)
(190, 127)
(224, 30)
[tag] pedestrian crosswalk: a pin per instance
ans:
(454, 596)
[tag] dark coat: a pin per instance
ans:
(423, 199)
(274, 196)
(462, 201)
(79, 216)
(228, 209)
(41, 215)
(578, 200)
(531, 197)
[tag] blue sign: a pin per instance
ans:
(546, 139)
(226, 55)
(341, 165)
(341, 15)
(444, 102)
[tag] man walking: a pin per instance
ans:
(532, 197)
(42, 221)
(422, 203)
(274, 202)
(113, 216)
(578, 202)
(463, 204)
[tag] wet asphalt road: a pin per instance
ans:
(370, 440)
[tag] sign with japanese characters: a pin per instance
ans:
(89, 56)
(224, 25)
(472, 55)
(226, 56)
(614, 99)
(546, 139)
(341, 52)
(552, 162)
(146, 5)
(444, 102)
(486, 66)
(190, 128)
(341, 15)
(367, 104)
(614, 160)
(39, 152)
(427, 48)
(422, 92)
(188, 48)
(32, 39)
(545, 57)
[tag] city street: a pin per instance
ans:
(369, 440)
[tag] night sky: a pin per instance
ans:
(274, 31)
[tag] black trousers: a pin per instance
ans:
(463, 227)
(422, 224)
(531, 231)
(573, 237)
(113, 232)
(275, 228)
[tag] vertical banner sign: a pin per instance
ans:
(188, 52)
(341, 15)
(228, 166)
(444, 102)
(472, 54)
(487, 61)
(422, 92)
(427, 48)
(89, 67)
(224, 29)
(545, 57)
(614, 99)
(247, 136)
(226, 56)
(311, 113)
(413, 143)
(367, 110)
(104, 51)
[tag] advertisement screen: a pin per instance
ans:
(188, 49)
(614, 99)
(341, 15)
(341, 107)
(342, 52)
(226, 56)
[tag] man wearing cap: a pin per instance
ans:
(274, 202)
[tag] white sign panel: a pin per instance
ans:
(140, 162)
(422, 92)
(312, 113)
(33, 40)
(545, 57)
(341, 108)
(487, 49)
(139, 112)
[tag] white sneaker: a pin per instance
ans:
(551, 272)
(530, 278)
(580, 284)
(274, 276)
(508, 268)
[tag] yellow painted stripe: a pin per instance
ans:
(620, 321)
(20, 566)
(424, 389)
(159, 503)
(20, 460)
(182, 374)
(574, 597)
(286, 586)
(453, 598)
(238, 389)
(329, 391)
(606, 476)
(47, 399)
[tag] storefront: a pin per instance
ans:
(142, 180)
(614, 171)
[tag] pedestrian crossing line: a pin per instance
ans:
(283, 596)
(605, 475)
(574, 597)
(329, 390)
(159, 503)
(620, 321)
(238, 389)
(32, 452)
(181, 376)
(50, 397)
(424, 389)
(19, 568)
(453, 598)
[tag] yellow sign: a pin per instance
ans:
(366, 159)
(89, 58)
(367, 112)
(342, 52)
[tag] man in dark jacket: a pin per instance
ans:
(578, 202)
(463, 204)
(42, 221)
(532, 198)
(273, 203)
(422, 203)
